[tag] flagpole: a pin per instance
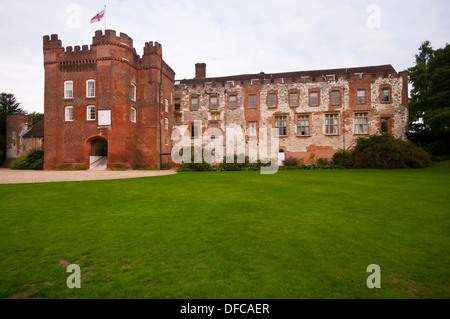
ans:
(104, 21)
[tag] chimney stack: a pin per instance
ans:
(200, 70)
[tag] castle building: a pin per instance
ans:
(105, 103)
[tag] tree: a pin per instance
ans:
(430, 100)
(36, 116)
(8, 106)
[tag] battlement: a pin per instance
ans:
(52, 42)
(77, 49)
(111, 37)
(152, 48)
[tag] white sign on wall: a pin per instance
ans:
(104, 117)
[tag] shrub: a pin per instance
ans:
(197, 167)
(322, 161)
(145, 169)
(34, 160)
(387, 152)
(292, 161)
(20, 163)
(341, 157)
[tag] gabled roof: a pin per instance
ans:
(380, 69)
(36, 131)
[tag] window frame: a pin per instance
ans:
(314, 91)
(166, 105)
(211, 97)
(389, 124)
(389, 90)
(216, 124)
(66, 90)
(196, 130)
(297, 94)
(338, 97)
(133, 115)
(175, 104)
(250, 128)
(308, 118)
(269, 95)
(357, 96)
(356, 122)
(334, 116)
(87, 88)
(89, 113)
(192, 97)
(233, 95)
(166, 124)
(133, 92)
(249, 101)
(68, 110)
(277, 122)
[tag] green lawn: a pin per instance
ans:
(295, 234)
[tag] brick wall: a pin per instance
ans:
(113, 63)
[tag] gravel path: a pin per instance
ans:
(8, 176)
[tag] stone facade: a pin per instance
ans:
(350, 103)
(21, 137)
(348, 112)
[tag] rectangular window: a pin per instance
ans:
(213, 101)
(214, 130)
(194, 130)
(385, 125)
(68, 111)
(303, 125)
(133, 115)
(293, 99)
(331, 124)
(335, 97)
(194, 103)
(133, 92)
(90, 113)
(385, 95)
(361, 123)
(252, 101)
(361, 96)
(252, 129)
(314, 98)
(177, 103)
(90, 88)
(280, 125)
(166, 105)
(68, 90)
(233, 101)
(272, 100)
(166, 141)
(166, 124)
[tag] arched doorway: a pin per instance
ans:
(281, 157)
(98, 153)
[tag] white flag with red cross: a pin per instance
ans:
(99, 16)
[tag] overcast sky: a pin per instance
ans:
(232, 37)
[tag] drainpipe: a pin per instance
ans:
(225, 139)
(159, 113)
(343, 117)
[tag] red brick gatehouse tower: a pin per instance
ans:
(104, 104)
